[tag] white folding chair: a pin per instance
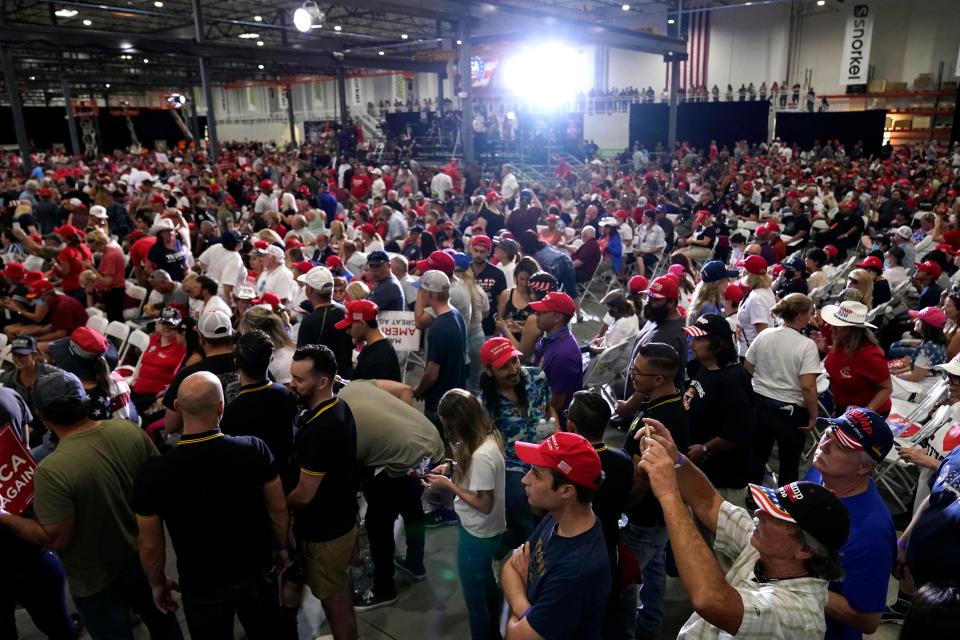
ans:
(137, 340)
(98, 323)
(118, 332)
(95, 311)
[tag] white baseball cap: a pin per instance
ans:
(905, 232)
(98, 211)
(317, 278)
(215, 324)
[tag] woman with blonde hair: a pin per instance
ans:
(271, 236)
(708, 294)
(476, 476)
(755, 314)
(784, 364)
(356, 290)
(337, 233)
(862, 281)
(257, 317)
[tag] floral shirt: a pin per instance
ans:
(517, 422)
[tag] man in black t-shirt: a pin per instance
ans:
(262, 408)
(446, 366)
(488, 277)
(216, 338)
(378, 359)
(324, 500)
(653, 371)
(223, 503)
(318, 327)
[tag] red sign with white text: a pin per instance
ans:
(16, 472)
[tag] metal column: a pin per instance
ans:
(342, 91)
(71, 120)
(290, 116)
(674, 100)
(207, 87)
(466, 97)
(16, 107)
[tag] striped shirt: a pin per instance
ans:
(782, 609)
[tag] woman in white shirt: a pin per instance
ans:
(621, 322)
(258, 317)
(476, 476)
(754, 314)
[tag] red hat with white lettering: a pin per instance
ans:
(569, 453)
(496, 352)
(664, 287)
(555, 301)
(358, 311)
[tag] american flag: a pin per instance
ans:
(481, 71)
(695, 29)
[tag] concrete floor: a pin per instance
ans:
(434, 609)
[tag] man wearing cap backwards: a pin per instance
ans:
(488, 277)
(224, 264)
(784, 554)
(558, 352)
(84, 511)
(276, 277)
(446, 366)
(378, 359)
(318, 327)
(216, 338)
(556, 584)
(386, 292)
(214, 486)
(849, 450)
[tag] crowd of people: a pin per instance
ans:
(270, 402)
(779, 95)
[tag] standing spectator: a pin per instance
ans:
(859, 375)
(399, 267)
(242, 506)
(902, 239)
(386, 291)
(84, 510)
(514, 303)
(558, 352)
(319, 326)
(324, 500)
(276, 278)
(223, 263)
(378, 359)
(488, 277)
(168, 253)
(557, 583)
(264, 319)
(653, 372)
(784, 364)
(446, 366)
(476, 477)
(71, 261)
(850, 449)
(755, 313)
(110, 279)
(262, 408)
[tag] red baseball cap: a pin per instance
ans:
(773, 226)
(438, 260)
(13, 270)
(569, 453)
(952, 237)
(831, 250)
(555, 301)
(157, 199)
(871, 262)
(32, 275)
(304, 266)
(496, 352)
(39, 287)
(638, 284)
(933, 316)
(481, 240)
(266, 185)
(734, 293)
(292, 242)
(88, 341)
(755, 264)
(358, 311)
(68, 231)
(931, 267)
(493, 196)
(367, 228)
(663, 287)
(270, 299)
(260, 245)
(333, 261)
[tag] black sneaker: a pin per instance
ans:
(368, 600)
(416, 573)
(441, 518)
(896, 612)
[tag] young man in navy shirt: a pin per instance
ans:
(850, 449)
(558, 353)
(557, 583)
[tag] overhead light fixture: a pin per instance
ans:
(337, 27)
(258, 18)
(379, 53)
(33, 77)
(107, 85)
(820, 3)
(146, 61)
(259, 43)
(671, 21)
(158, 4)
(260, 66)
(308, 17)
(404, 36)
(249, 36)
(747, 4)
(625, 7)
(65, 13)
(459, 42)
(87, 23)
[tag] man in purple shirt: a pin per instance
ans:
(588, 254)
(558, 353)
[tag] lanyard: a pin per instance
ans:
(260, 388)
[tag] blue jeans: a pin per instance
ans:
(520, 519)
(255, 602)
(900, 350)
(648, 545)
(475, 340)
(106, 612)
(475, 557)
(37, 584)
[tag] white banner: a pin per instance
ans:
(400, 329)
(356, 95)
(855, 57)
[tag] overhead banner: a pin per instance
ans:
(16, 472)
(400, 329)
(356, 94)
(855, 57)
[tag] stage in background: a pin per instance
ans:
(847, 126)
(700, 122)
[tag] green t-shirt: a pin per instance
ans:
(89, 478)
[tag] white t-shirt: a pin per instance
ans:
(440, 184)
(895, 276)
(508, 270)
(486, 474)
(625, 328)
(279, 282)
(779, 357)
(754, 310)
(216, 303)
(509, 187)
(280, 365)
(266, 202)
(224, 266)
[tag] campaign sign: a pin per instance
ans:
(16, 472)
(400, 328)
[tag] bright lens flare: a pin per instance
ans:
(548, 75)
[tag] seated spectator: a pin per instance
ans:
(619, 324)
(815, 261)
(859, 376)
(54, 315)
(166, 292)
(611, 243)
(880, 293)
(862, 281)
(587, 256)
(925, 353)
(160, 362)
(792, 277)
(894, 271)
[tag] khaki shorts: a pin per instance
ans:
(327, 564)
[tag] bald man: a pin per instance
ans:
(222, 501)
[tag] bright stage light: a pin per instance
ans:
(548, 75)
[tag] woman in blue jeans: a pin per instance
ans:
(476, 478)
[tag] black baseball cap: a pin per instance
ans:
(813, 508)
(377, 257)
(710, 324)
(22, 345)
(231, 239)
(861, 429)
